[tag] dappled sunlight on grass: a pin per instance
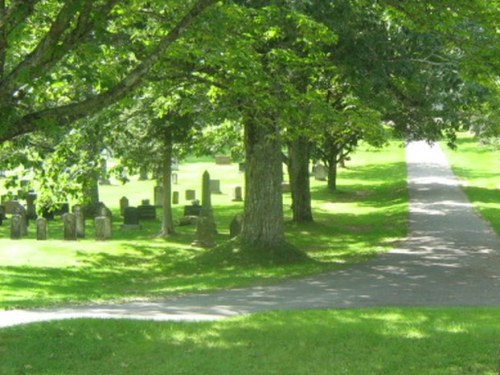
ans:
(410, 341)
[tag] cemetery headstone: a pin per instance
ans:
(215, 187)
(190, 195)
(105, 211)
(175, 178)
(235, 226)
(131, 218)
(175, 164)
(241, 167)
(222, 160)
(175, 197)
(21, 211)
(320, 172)
(41, 229)
(30, 205)
(124, 203)
(158, 196)
(80, 221)
(146, 211)
(11, 207)
(69, 226)
(102, 228)
(238, 194)
(16, 224)
(205, 228)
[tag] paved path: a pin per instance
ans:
(452, 258)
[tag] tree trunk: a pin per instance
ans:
(332, 172)
(298, 170)
(91, 195)
(263, 224)
(167, 224)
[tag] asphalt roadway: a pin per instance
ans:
(451, 258)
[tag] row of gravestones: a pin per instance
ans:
(190, 195)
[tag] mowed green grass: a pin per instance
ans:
(364, 218)
(478, 166)
(389, 341)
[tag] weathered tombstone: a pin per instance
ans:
(241, 167)
(41, 229)
(175, 197)
(190, 195)
(320, 172)
(222, 160)
(11, 207)
(80, 221)
(205, 228)
(204, 233)
(238, 194)
(146, 211)
(192, 210)
(105, 211)
(123, 205)
(131, 218)
(69, 226)
(215, 187)
(21, 211)
(16, 224)
(175, 178)
(102, 228)
(235, 226)
(30, 205)
(158, 196)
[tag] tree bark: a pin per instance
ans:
(263, 223)
(332, 172)
(167, 224)
(298, 170)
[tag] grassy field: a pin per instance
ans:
(478, 166)
(365, 342)
(364, 218)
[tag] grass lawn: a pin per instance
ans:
(367, 341)
(365, 217)
(478, 166)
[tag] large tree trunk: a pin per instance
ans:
(263, 223)
(298, 170)
(167, 224)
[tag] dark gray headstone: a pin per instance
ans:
(69, 226)
(123, 205)
(41, 229)
(102, 228)
(30, 205)
(190, 195)
(131, 218)
(215, 187)
(16, 223)
(146, 211)
(235, 226)
(175, 197)
(238, 194)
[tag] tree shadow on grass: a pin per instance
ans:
(371, 341)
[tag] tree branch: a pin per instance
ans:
(66, 114)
